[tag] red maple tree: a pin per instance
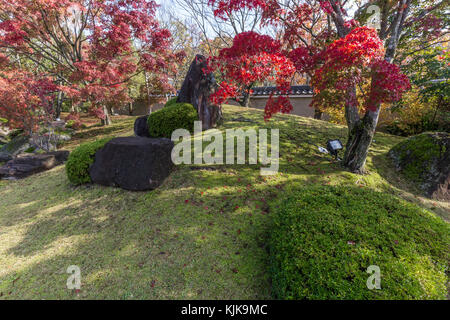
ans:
(350, 66)
(89, 48)
(25, 100)
(243, 65)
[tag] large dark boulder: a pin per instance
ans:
(425, 160)
(141, 127)
(26, 165)
(133, 163)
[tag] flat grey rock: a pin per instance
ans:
(27, 165)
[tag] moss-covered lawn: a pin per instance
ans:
(202, 235)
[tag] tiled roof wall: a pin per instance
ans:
(266, 91)
(295, 90)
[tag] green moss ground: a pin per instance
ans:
(325, 237)
(202, 235)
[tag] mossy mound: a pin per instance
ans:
(425, 160)
(325, 238)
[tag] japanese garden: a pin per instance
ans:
(224, 150)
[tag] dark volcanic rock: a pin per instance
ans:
(26, 165)
(196, 90)
(141, 127)
(4, 157)
(425, 159)
(133, 163)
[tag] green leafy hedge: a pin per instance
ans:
(325, 238)
(77, 166)
(171, 102)
(164, 122)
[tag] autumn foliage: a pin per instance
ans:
(333, 64)
(25, 99)
(357, 60)
(244, 65)
(89, 49)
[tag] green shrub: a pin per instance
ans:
(77, 166)
(171, 102)
(325, 238)
(164, 122)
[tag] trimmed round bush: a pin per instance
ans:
(171, 102)
(80, 160)
(325, 238)
(164, 122)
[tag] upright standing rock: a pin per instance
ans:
(196, 90)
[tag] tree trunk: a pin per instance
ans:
(130, 108)
(359, 141)
(107, 120)
(245, 102)
(318, 114)
(196, 90)
(246, 99)
(59, 102)
(72, 106)
(438, 105)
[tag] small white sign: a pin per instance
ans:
(336, 145)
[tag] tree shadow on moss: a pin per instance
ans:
(140, 245)
(386, 168)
